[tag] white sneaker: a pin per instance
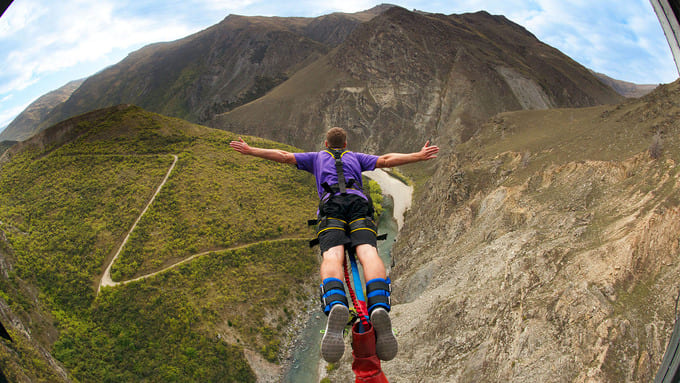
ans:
(333, 344)
(386, 346)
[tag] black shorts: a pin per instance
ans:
(348, 223)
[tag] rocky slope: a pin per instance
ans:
(404, 77)
(550, 250)
(26, 356)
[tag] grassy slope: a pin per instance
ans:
(559, 136)
(66, 208)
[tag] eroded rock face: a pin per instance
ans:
(533, 292)
(545, 265)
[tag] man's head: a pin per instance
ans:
(336, 138)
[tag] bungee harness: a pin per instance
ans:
(342, 185)
(332, 292)
(325, 222)
(378, 294)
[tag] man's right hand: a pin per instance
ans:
(277, 155)
(240, 146)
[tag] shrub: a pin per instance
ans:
(656, 147)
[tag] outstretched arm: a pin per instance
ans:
(395, 159)
(277, 155)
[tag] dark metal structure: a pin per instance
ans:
(669, 371)
(668, 12)
(4, 4)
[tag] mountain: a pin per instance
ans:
(215, 70)
(218, 271)
(26, 124)
(404, 77)
(625, 88)
(368, 71)
(544, 249)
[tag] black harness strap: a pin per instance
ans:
(365, 223)
(342, 185)
(334, 189)
(337, 154)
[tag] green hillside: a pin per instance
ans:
(69, 197)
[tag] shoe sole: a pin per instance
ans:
(386, 346)
(333, 344)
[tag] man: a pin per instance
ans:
(345, 220)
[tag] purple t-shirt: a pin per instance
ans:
(322, 165)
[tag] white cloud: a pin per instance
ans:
(618, 38)
(7, 115)
(18, 16)
(63, 34)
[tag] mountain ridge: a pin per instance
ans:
(434, 73)
(625, 88)
(198, 82)
(26, 123)
(212, 70)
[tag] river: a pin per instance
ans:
(396, 200)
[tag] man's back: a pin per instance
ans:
(322, 166)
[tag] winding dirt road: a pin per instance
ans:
(106, 278)
(400, 192)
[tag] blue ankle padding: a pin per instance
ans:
(328, 293)
(332, 291)
(378, 292)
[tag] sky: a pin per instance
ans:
(46, 44)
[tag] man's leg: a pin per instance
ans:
(378, 292)
(371, 262)
(334, 302)
(331, 264)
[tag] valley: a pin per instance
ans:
(541, 245)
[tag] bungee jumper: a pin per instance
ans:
(345, 222)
